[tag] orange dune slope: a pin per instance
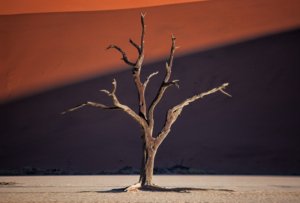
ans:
(255, 132)
(42, 51)
(46, 6)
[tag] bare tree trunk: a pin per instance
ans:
(144, 158)
(147, 167)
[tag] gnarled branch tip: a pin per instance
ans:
(173, 36)
(105, 91)
(176, 83)
(110, 46)
(227, 94)
(114, 82)
(225, 84)
(149, 77)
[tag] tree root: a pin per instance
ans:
(155, 188)
(134, 187)
(139, 187)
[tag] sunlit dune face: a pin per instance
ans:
(45, 6)
(42, 51)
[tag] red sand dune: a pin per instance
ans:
(45, 6)
(40, 51)
(255, 132)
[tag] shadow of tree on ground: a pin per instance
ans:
(162, 189)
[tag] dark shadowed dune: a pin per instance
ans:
(254, 132)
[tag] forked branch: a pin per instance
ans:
(136, 73)
(116, 105)
(125, 108)
(165, 84)
(136, 69)
(174, 112)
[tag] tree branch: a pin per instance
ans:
(124, 56)
(89, 103)
(165, 84)
(174, 112)
(137, 74)
(125, 108)
(136, 46)
(169, 63)
(143, 32)
(117, 105)
(200, 96)
(173, 82)
(136, 71)
(149, 77)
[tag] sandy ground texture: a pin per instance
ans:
(99, 189)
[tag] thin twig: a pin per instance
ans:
(149, 77)
(135, 45)
(89, 103)
(124, 56)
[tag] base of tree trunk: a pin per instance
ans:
(139, 187)
(134, 187)
(155, 188)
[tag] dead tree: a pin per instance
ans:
(145, 116)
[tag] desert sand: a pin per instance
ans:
(253, 45)
(43, 51)
(214, 189)
(9, 7)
